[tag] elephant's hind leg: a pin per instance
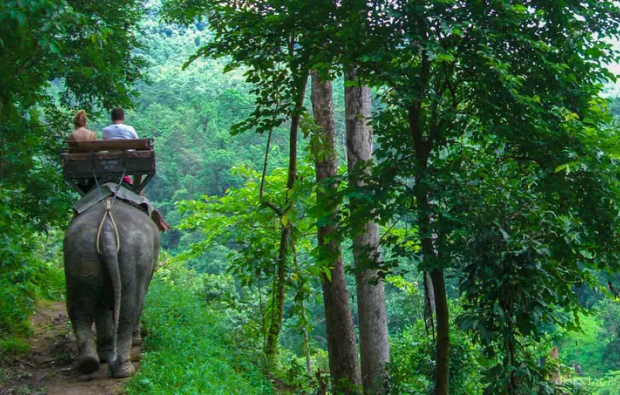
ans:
(122, 366)
(105, 332)
(136, 336)
(130, 307)
(88, 361)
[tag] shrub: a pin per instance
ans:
(412, 365)
(30, 269)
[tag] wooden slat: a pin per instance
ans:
(80, 156)
(111, 145)
(83, 165)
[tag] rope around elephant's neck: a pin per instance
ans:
(108, 212)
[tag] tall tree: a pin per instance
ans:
(343, 363)
(496, 78)
(265, 37)
(371, 308)
(286, 240)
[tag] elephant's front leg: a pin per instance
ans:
(105, 332)
(88, 362)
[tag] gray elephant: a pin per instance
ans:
(110, 253)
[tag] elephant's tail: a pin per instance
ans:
(108, 246)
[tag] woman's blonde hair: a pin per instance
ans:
(79, 120)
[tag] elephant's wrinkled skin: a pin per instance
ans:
(95, 278)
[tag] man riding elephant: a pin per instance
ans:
(110, 251)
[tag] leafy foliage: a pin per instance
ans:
(243, 220)
(58, 55)
(248, 224)
(275, 59)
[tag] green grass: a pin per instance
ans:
(190, 351)
(13, 346)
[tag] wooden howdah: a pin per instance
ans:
(109, 160)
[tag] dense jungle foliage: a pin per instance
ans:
(521, 184)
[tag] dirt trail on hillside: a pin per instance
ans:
(49, 367)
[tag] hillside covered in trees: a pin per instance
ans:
(387, 197)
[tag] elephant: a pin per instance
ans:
(110, 252)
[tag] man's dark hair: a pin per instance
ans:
(118, 114)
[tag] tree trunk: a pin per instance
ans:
(422, 149)
(304, 320)
(307, 347)
(429, 304)
(275, 326)
(442, 342)
(343, 363)
(374, 346)
(442, 374)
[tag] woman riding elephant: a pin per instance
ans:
(110, 253)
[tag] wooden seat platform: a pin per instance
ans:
(109, 160)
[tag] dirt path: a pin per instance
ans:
(49, 367)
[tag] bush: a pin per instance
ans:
(412, 365)
(30, 269)
(607, 384)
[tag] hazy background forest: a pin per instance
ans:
(209, 304)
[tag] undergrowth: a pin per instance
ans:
(190, 348)
(31, 269)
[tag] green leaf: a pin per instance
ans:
(54, 48)
(565, 167)
(21, 19)
(327, 271)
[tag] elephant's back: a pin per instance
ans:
(127, 218)
(133, 228)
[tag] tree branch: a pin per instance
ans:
(275, 208)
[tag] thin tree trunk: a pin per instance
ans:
(304, 320)
(442, 342)
(429, 304)
(343, 362)
(275, 326)
(371, 308)
(442, 374)
(422, 148)
(307, 347)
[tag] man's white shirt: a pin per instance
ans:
(119, 131)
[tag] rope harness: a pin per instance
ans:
(108, 212)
